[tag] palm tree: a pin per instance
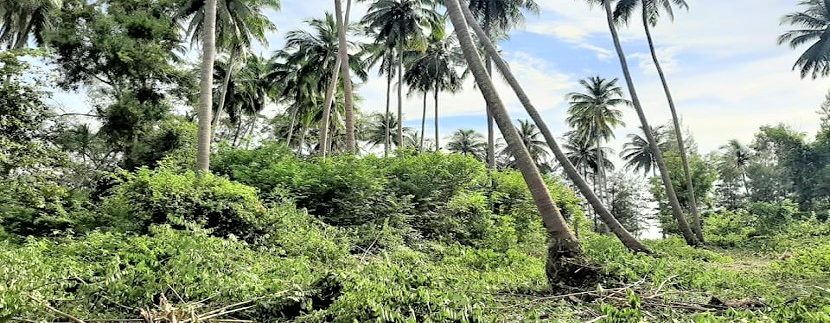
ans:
(20, 20)
(813, 27)
(498, 17)
(650, 12)
(677, 211)
(377, 132)
(637, 151)
(239, 23)
(563, 248)
(531, 137)
(205, 85)
(250, 94)
(584, 156)
(379, 54)
(343, 54)
(467, 142)
(625, 237)
(593, 116)
(398, 24)
(738, 157)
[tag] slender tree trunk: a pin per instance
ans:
(435, 99)
(236, 138)
(388, 137)
(491, 135)
(697, 226)
(226, 81)
(291, 127)
(303, 131)
(677, 211)
(250, 136)
(603, 189)
(625, 237)
(423, 123)
(400, 95)
(23, 37)
(206, 87)
(324, 124)
(746, 183)
(563, 244)
(343, 53)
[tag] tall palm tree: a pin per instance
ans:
(467, 142)
(650, 13)
(398, 24)
(497, 18)
(20, 20)
(343, 54)
(625, 237)
(239, 23)
(251, 92)
(637, 151)
(377, 130)
(677, 211)
(593, 116)
(205, 87)
(380, 54)
(738, 157)
(813, 26)
(563, 248)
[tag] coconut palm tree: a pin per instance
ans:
(738, 157)
(532, 139)
(239, 23)
(206, 87)
(20, 20)
(467, 142)
(650, 11)
(637, 151)
(813, 26)
(593, 115)
(250, 93)
(343, 54)
(497, 17)
(564, 249)
(377, 130)
(384, 57)
(399, 24)
(674, 203)
(625, 237)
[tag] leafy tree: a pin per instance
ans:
(467, 142)
(20, 20)
(812, 25)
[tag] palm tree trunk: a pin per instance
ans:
(329, 99)
(603, 189)
(625, 237)
(250, 136)
(225, 83)
(343, 53)
(491, 137)
(563, 244)
(677, 211)
(435, 99)
(303, 131)
(387, 138)
(23, 37)
(423, 123)
(206, 87)
(400, 95)
(291, 127)
(697, 226)
(236, 139)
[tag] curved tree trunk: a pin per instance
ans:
(387, 138)
(625, 237)
(343, 54)
(206, 87)
(423, 124)
(676, 209)
(563, 244)
(697, 226)
(329, 99)
(291, 127)
(226, 81)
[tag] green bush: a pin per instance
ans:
(432, 179)
(729, 228)
(34, 207)
(106, 275)
(163, 196)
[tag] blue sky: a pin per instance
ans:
(728, 75)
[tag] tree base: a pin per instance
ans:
(567, 267)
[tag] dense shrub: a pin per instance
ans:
(154, 197)
(432, 179)
(32, 206)
(106, 275)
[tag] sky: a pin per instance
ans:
(727, 74)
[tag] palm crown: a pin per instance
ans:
(813, 27)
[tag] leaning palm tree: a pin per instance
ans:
(21, 20)
(625, 237)
(593, 115)
(564, 251)
(205, 87)
(467, 142)
(813, 25)
(497, 17)
(650, 12)
(676, 209)
(398, 24)
(637, 152)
